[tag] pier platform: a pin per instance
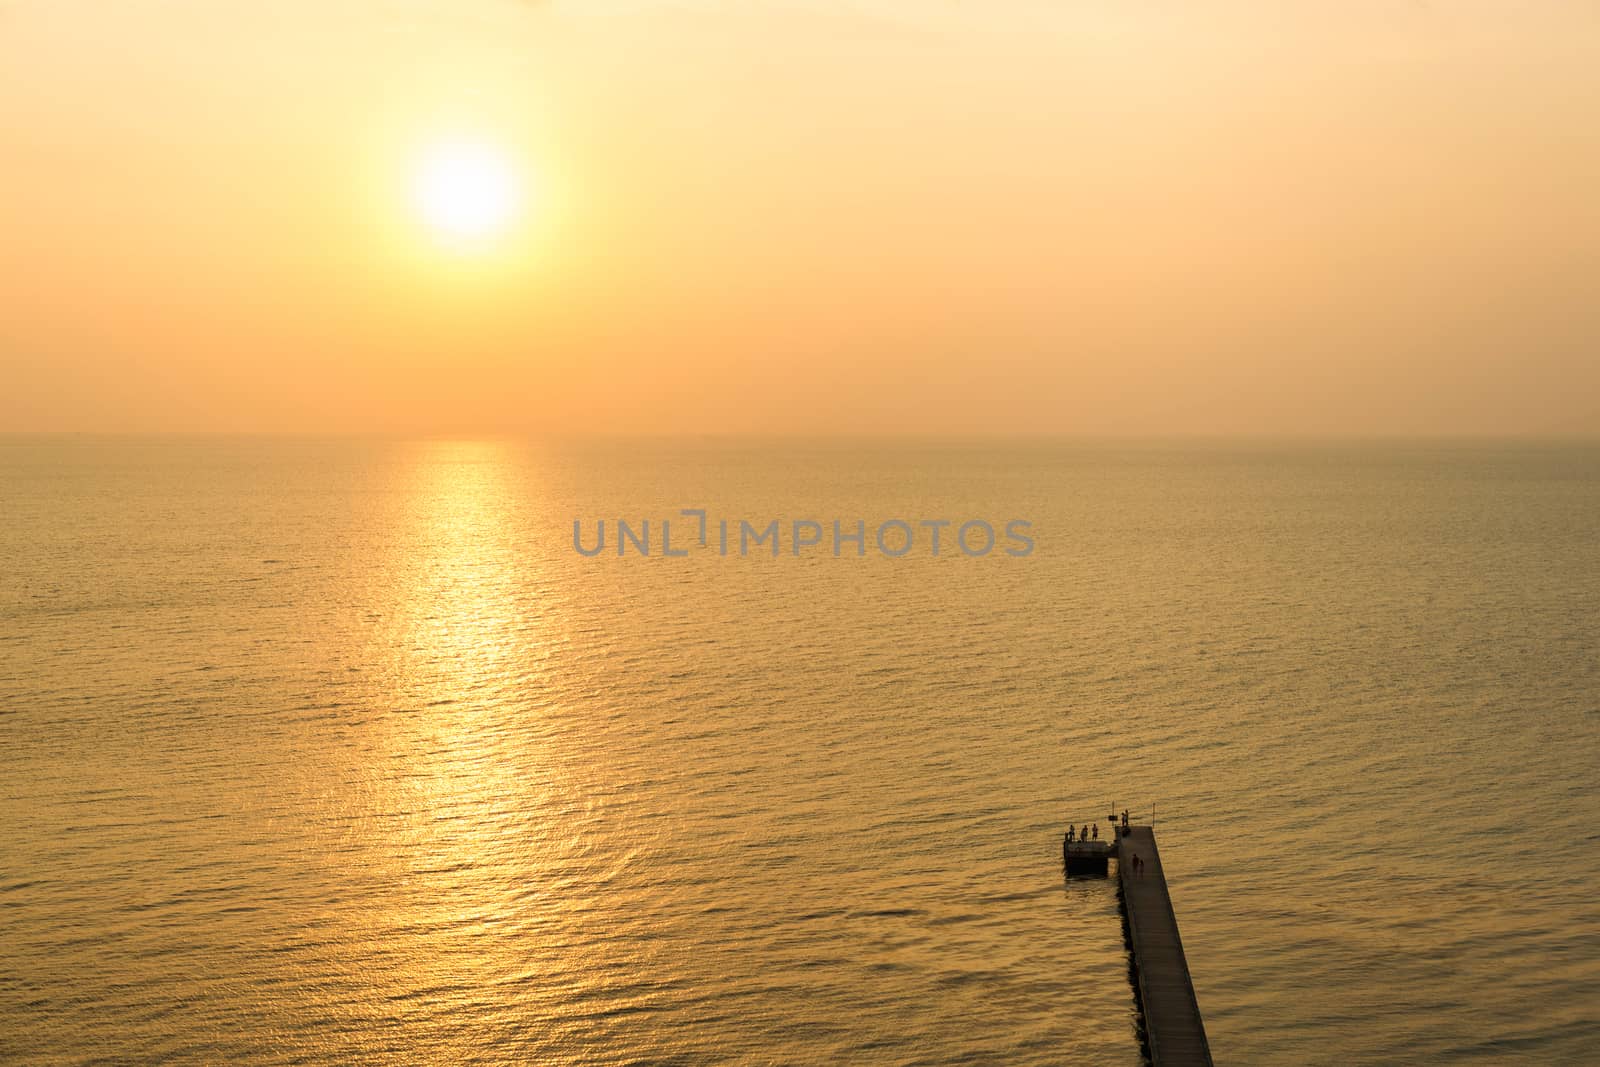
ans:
(1086, 857)
(1174, 1032)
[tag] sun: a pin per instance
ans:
(466, 191)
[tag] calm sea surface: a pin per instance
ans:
(338, 752)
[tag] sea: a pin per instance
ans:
(341, 751)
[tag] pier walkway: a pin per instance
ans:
(1173, 1029)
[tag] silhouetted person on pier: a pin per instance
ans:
(1138, 865)
(1097, 831)
(1069, 835)
(1083, 835)
(1124, 818)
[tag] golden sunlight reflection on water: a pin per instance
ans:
(370, 766)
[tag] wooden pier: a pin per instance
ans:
(1174, 1033)
(1086, 857)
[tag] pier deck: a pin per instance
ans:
(1173, 1028)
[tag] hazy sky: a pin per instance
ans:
(1115, 217)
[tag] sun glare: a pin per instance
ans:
(466, 191)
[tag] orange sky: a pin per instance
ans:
(864, 217)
